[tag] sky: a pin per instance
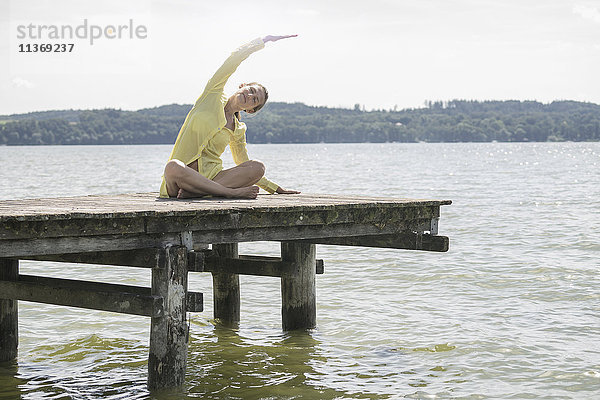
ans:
(381, 54)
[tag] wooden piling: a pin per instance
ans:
(169, 332)
(9, 317)
(298, 289)
(226, 289)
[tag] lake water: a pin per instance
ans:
(511, 311)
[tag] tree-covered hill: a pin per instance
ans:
(453, 121)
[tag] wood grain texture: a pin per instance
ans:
(148, 204)
(85, 244)
(145, 258)
(101, 296)
(407, 241)
(83, 294)
(167, 360)
(253, 265)
(226, 288)
(9, 316)
(35, 227)
(145, 213)
(298, 287)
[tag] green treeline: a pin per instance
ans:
(453, 121)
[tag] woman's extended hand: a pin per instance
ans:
(270, 38)
(281, 190)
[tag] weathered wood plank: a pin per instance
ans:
(67, 245)
(9, 316)
(298, 289)
(169, 333)
(151, 258)
(258, 219)
(407, 241)
(253, 265)
(145, 258)
(194, 299)
(18, 228)
(108, 215)
(226, 287)
(147, 204)
(309, 232)
(90, 295)
(33, 247)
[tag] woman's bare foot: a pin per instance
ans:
(248, 192)
(184, 194)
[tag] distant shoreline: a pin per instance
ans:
(439, 122)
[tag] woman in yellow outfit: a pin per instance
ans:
(195, 167)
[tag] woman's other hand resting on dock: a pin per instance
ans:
(281, 190)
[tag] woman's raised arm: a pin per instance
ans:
(217, 82)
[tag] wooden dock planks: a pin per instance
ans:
(171, 237)
(124, 222)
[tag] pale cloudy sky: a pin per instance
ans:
(379, 53)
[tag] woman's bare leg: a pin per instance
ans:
(244, 174)
(179, 176)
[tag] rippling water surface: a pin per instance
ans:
(511, 311)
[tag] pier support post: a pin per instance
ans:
(9, 317)
(298, 290)
(226, 289)
(169, 332)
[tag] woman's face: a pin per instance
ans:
(249, 97)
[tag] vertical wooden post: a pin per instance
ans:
(226, 289)
(298, 290)
(9, 317)
(169, 333)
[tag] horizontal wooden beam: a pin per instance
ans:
(42, 290)
(146, 258)
(136, 300)
(82, 224)
(21, 248)
(408, 241)
(379, 215)
(320, 265)
(300, 232)
(253, 265)
(69, 225)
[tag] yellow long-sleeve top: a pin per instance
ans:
(203, 135)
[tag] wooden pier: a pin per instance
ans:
(172, 237)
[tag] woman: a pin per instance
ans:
(195, 167)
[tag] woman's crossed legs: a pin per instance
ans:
(185, 181)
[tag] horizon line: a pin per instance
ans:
(361, 106)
